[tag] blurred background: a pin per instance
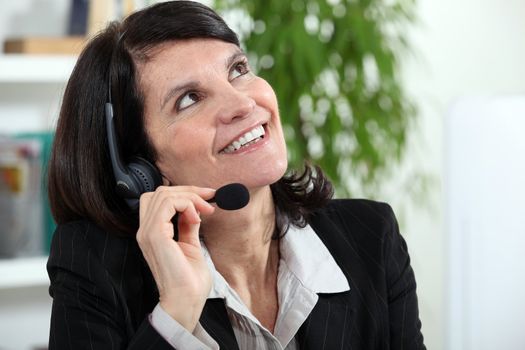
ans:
(418, 103)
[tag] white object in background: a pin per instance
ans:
(23, 272)
(485, 208)
(20, 68)
(24, 303)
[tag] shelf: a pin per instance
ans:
(19, 68)
(23, 272)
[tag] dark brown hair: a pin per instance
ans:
(81, 182)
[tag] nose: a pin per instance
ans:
(234, 104)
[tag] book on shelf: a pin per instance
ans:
(26, 224)
(78, 14)
(45, 139)
(20, 209)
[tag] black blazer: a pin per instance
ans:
(103, 290)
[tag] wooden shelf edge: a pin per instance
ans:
(69, 45)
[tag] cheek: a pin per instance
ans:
(268, 100)
(265, 97)
(179, 148)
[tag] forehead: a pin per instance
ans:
(185, 58)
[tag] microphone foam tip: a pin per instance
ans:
(232, 196)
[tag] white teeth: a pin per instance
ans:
(248, 136)
(251, 136)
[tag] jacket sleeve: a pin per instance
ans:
(405, 326)
(88, 309)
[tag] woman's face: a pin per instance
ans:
(210, 119)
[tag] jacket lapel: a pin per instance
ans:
(214, 319)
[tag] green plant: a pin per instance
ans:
(334, 66)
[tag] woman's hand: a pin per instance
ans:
(179, 268)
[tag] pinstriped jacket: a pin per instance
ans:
(103, 290)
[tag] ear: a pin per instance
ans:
(165, 180)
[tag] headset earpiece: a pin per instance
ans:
(145, 175)
(132, 179)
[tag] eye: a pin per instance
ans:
(238, 69)
(186, 100)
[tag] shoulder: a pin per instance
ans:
(357, 215)
(81, 232)
(83, 248)
(72, 239)
(357, 232)
(84, 235)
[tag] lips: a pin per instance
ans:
(252, 136)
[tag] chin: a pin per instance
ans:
(267, 176)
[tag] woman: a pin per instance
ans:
(291, 270)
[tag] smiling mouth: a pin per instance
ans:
(253, 136)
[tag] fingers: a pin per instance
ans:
(167, 201)
(158, 208)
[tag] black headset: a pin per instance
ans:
(136, 177)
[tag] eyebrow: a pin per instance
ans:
(191, 85)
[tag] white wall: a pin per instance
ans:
(485, 223)
(463, 47)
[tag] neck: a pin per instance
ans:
(243, 252)
(240, 243)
